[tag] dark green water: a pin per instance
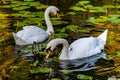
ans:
(14, 15)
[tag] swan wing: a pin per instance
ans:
(18, 40)
(33, 33)
(102, 39)
(40, 37)
(103, 36)
(84, 47)
(30, 27)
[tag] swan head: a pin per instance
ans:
(54, 10)
(53, 43)
(50, 47)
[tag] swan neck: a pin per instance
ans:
(48, 22)
(64, 54)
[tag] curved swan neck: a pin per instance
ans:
(48, 22)
(64, 54)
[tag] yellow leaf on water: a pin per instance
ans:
(0, 77)
(3, 15)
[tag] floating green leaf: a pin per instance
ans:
(40, 70)
(114, 18)
(66, 71)
(108, 6)
(62, 30)
(42, 53)
(2, 25)
(117, 53)
(83, 2)
(61, 35)
(2, 41)
(14, 67)
(99, 9)
(28, 0)
(34, 4)
(16, 2)
(72, 27)
(5, 6)
(84, 31)
(118, 6)
(90, 6)
(23, 3)
(84, 77)
(38, 14)
(71, 13)
(21, 8)
(55, 21)
(41, 6)
(76, 8)
(91, 19)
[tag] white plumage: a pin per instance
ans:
(81, 48)
(31, 34)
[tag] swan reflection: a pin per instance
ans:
(83, 64)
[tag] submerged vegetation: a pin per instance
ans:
(14, 14)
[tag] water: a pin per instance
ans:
(14, 63)
(84, 64)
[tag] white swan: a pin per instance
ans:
(31, 34)
(81, 48)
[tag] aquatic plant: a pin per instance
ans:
(86, 6)
(84, 77)
(40, 70)
(117, 53)
(75, 28)
(102, 19)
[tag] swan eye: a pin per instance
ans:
(51, 32)
(48, 49)
(57, 11)
(102, 50)
(71, 48)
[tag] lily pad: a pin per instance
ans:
(72, 28)
(84, 31)
(76, 8)
(108, 6)
(84, 77)
(2, 25)
(40, 70)
(83, 2)
(34, 4)
(61, 35)
(117, 53)
(66, 71)
(21, 8)
(28, 0)
(71, 13)
(41, 6)
(5, 6)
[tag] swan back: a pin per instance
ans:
(86, 47)
(31, 34)
(83, 47)
(18, 40)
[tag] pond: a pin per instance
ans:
(78, 19)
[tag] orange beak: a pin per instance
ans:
(58, 16)
(48, 54)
